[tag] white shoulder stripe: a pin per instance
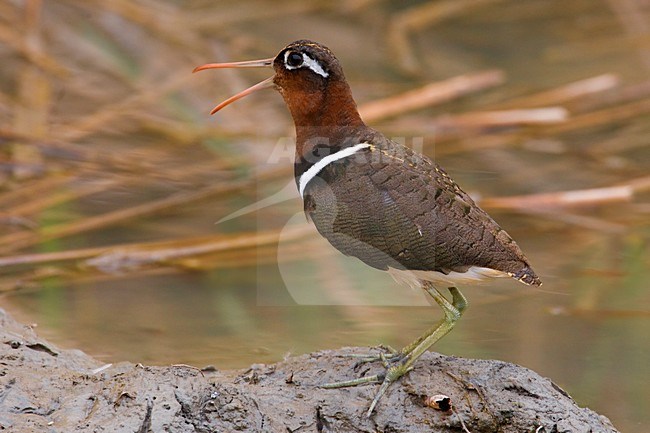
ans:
(320, 165)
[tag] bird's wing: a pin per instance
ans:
(392, 207)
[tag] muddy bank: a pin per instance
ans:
(45, 389)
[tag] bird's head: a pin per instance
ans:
(309, 78)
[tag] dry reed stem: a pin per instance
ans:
(120, 257)
(564, 93)
(632, 15)
(573, 198)
(431, 94)
(109, 114)
(34, 95)
(582, 221)
(19, 240)
(483, 119)
(597, 46)
(607, 116)
(155, 16)
(617, 96)
(119, 260)
(254, 254)
(250, 11)
(33, 199)
(472, 142)
(33, 55)
(16, 241)
(417, 18)
(32, 190)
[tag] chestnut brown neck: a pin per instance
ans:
(323, 115)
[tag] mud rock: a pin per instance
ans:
(45, 389)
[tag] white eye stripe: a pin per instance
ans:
(306, 61)
(314, 65)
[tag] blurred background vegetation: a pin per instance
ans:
(113, 176)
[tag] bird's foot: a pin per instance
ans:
(387, 356)
(393, 372)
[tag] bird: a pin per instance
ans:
(379, 201)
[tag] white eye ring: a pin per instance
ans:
(306, 61)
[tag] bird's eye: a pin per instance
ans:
(294, 59)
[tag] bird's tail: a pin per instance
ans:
(527, 276)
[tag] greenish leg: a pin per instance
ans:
(459, 304)
(453, 311)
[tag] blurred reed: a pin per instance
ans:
(99, 99)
